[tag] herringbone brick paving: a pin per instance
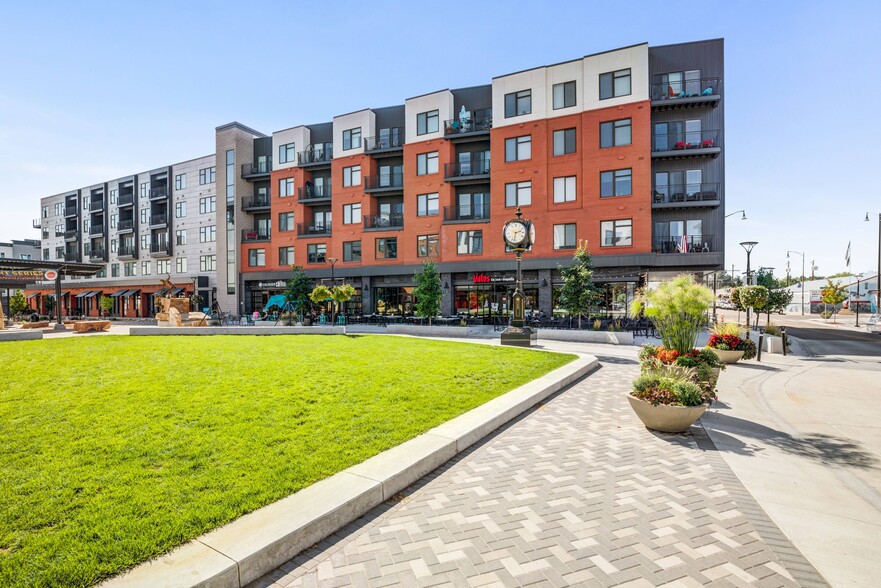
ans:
(574, 493)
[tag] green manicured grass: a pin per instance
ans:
(116, 449)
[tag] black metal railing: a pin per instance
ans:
(255, 235)
(316, 153)
(384, 221)
(474, 121)
(127, 250)
(685, 89)
(60, 234)
(311, 192)
(96, 253)
(96, 229)
(70, 209)
(685, 140)
(393, 140)
(161, 247)
(703, 192)
(258, 201)
(477, 166)
(157, 193)
(315, 229)
(126, 199)
(466, 213)
(393, 181)
(71, 256)
(125, 225)
(683, 244)
(96, 205)
(257, 168)
(70, 234)
(36, 223)
(158, 219)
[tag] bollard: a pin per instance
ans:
(759, 351)
(783, 336)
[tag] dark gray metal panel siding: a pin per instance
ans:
(262, 146)
(321, 133)
(389, 117)
(473, 98)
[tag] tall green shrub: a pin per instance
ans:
(677, 310)
(754, 297)
(578, 292)
(832, 293)
(298, 290)
(427, 291)
(17, 303)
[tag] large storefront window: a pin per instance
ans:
(488, 300)
(393, 301)
(613, 299)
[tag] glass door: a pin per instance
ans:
(692, 133)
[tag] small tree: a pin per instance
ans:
(106, 304)
(754, 297)
(298, 290)
(337, 295)
(49, 303)
(17, 303)
(778, 300)
(578, 292)
(677, 310)
(831, 293)
(427, 291)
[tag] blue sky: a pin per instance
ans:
(96, 90)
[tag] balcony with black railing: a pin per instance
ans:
(97, 253)
(310, 194)
(70, 235)
(705, 194)
(257, 169)
(249, 235)
(159, 220)
(60, 234)
(159, 193)
(126, 199)
(686, 145)
(127, 251)
(313, 230)
(256, 202)
(684, 244)
(160, 249)
(36, 223)
(680, 94)
(388, 141)
(72, 256)
(315, 155)
(125, 226)
(384, 183)
(96, 230)
(384, 222)
(96, 204)
(467, 213)
(472, 123)
(474, 169)
(70, 209)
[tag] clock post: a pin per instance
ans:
(519, 235)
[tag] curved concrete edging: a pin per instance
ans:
(254, 544)
(207, 331)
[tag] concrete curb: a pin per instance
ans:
(160, 331)
(255, 544)
(21, 335)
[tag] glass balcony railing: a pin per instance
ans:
(392, 181)
(315, 154)
(685, 142)
(480, 120)
(685, 193)
(466, 169)
(678, 89)
(392, 138)
(684, 244)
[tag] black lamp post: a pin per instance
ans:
(878, 270)
(332, 261)
(519, 235)
(735, 212)
(748, 246)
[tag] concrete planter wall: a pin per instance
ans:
(664, 417)
(773, 344)
(427, 331)
(609, 337)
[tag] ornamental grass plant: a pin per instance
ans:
(677, 310)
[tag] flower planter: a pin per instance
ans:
(728, 356)
(666, 418)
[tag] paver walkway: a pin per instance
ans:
(574, 493)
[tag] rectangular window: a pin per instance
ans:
(564, 189)
(352, 251)
(285, 256)
(180, 210)
(518, 148)
(180, 181)
(285, 187)
(163, 266)
(427, 246)
(45, 254)
(287, 153)
(426, 163)
(208, 234)
(518, 103)
(564, 95)
(207, 175)
(130, 268)
(286, 221)
(352, 214)
(617, 233)
(144, 190)
(256, 257)
(145, 215)
(46, 211)
(146, 268)
(114, 270)
(207, 263)
(426, 204)
(207, 204)
(352, 176)
(316, 252)
(112, 221)
(518, 194)
(387, 248)
(469, 242)
(113, 194)
(614, 84)
(59, 251)
(615, 133)
(351, 139)
(427, 122)
(180, 237)
(180, 265)
(564, 141)
(616, 183)
(113, 243)
(564, 236)
(145, 242)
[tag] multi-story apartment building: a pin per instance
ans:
(622, 149)
(140, 228)
(15, 249)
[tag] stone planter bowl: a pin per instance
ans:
(666, 418)
(727, 356)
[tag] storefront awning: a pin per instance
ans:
(176, 291)
(34, 295)
(118, 294)
(160, 293)
(92, 294)
(82, 295)
(277, 300)
(131, 292)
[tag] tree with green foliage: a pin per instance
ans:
(427, 291)
(298, 290)
(336, 294)
(106, 304)
(778, 300)
(754, 297)
(578, 292)
(49, 303)
(17, 303)
(833, 293)
(677, 310)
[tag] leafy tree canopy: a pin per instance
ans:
(427, 291)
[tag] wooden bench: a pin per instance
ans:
(86, 326)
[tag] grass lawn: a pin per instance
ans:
(115, 449)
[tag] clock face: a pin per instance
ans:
(515, 232)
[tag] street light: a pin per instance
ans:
(748, 246)
(735, 212)
(332, 261)
(878, 275)
(802, 278)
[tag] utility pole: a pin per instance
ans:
(813, 267)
